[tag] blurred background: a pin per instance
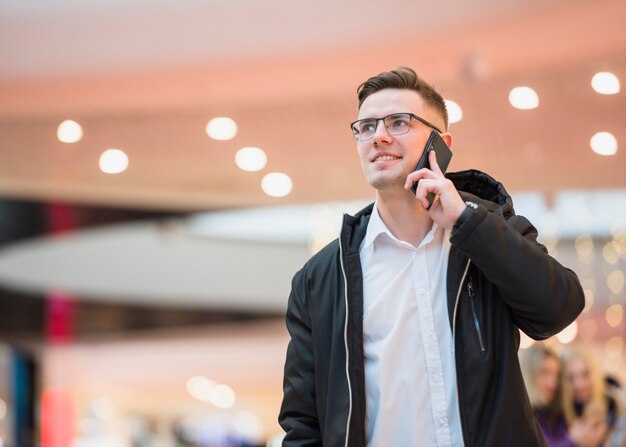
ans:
(166, 167)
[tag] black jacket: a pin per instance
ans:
(499, 279)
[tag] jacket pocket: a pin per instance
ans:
(471, 292)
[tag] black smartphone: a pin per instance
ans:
(444, 154)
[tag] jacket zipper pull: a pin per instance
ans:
(471, 292)
(470, 287)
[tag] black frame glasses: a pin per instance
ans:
(387, 121)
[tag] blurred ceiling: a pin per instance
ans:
(146, 76)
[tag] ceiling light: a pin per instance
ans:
(605, 83)
(69, 132)
(276, 184)
(524, 98)
(604, 143)
(455, 113)
(113, 161)
(221, 128)
(251, 159)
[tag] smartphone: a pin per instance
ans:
(444, 154)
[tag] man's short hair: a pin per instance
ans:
(404, 78)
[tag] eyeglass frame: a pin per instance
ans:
(411, 115)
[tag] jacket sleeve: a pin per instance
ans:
(544, 296)
(298, 412)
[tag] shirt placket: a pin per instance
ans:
(432, 353)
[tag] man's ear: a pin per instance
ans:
(447, 137)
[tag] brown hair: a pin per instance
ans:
(404, 78)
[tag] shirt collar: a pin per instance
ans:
(377, 227)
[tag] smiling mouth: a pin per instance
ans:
(386, 158)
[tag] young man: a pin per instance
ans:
(404, 331)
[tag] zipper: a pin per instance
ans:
(456, 305)
(345, 339)
(459, 378)
(472, 295)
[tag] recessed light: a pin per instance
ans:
(277, 184)
(113, 161)
(221, 128)
(251, 159)
(604, 143)
(524, 98)
(605, 83)
(69, 131)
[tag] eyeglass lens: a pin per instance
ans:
(396, 124)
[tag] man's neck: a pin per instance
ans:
(404, 216)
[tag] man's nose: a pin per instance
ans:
(381, 134)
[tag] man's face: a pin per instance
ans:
(387, 159)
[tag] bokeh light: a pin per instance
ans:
(250, 159)
(221, 128)
(69, 131)
(113, 161)
(277, 184)
(605, 83)
(615, 281)
(524, 98)
(604, 143)
(614, 315)
(568, 334)
(455, 113)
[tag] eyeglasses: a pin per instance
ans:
(396, 124)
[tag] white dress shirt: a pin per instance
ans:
(410, 378)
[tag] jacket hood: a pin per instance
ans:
(476, 186)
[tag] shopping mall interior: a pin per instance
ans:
(166, 168)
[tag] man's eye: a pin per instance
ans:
(368, 127)
(400, 122)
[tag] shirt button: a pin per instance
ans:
(422, 291)
(442, 422)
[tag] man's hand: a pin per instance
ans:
(448, 204)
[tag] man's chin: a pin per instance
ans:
(383, 183)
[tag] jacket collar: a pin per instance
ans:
(473, 185)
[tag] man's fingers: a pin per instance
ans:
(434, 166)
(418, 175)
(423, 188)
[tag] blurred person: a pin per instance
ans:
(541, 369)
(586, 396)
(615, 389)
(404, 330)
